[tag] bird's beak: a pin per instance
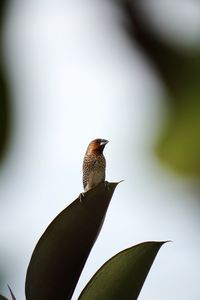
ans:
(103, 142)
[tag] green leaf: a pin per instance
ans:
(123, 276)
(62, 251)
(3, 298)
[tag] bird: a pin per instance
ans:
(94, 164)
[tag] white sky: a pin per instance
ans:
(75, 77)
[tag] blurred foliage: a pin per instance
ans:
(4, 90)
(179, 143)
(4, 101)
(4, 114)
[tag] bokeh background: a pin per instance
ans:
(127, 71)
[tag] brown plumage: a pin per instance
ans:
(94, 164)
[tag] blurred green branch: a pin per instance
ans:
(4, 89)
(179, 143)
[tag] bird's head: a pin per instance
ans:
(96, 146)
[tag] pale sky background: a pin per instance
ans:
(75, 77)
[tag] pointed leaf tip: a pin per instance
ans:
(123, 276)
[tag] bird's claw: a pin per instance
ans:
(81, 196)
(106, 183)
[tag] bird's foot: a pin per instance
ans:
(106, 183)
(81, 196)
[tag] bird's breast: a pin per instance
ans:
(94, 172)
(95, 178)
